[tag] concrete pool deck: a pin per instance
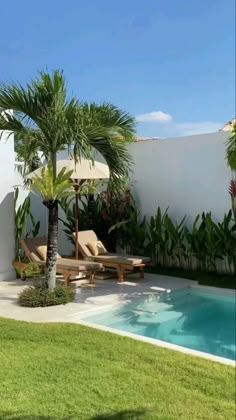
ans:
(104, 295)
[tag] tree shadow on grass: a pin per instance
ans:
(122, 415)
(6, 415)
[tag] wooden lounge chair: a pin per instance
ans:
(117, 261)
(69, 268)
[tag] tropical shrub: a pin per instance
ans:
(203, 243)
(68, 206)
(157, 239)
(166, 244)
(115, 219)
(130, 234)
(32, 270)
(226, 233)
(40, 295)
(203, 246)
(23, 215)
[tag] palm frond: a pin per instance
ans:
(45, 120)
(108, 130)
(43, 116)
(50, 188)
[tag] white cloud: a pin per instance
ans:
(154, 117)
(168, 127)
(190, 128)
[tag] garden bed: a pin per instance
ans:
(204, 278)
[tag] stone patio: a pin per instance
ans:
(104, 294)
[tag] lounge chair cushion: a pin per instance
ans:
(83, 239)
(42, 251)
(78, 265)
(121, 259)
(96, 248)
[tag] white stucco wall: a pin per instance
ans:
(7, 240)
(39, 211)
(187, 174)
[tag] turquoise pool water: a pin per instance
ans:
(189, 318)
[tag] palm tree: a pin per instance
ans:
(52, 190)
(231, 160)
(45, 120)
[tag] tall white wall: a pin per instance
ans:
(39, 211)
(7, 240)
(187, 174)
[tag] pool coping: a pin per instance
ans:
(160, 343)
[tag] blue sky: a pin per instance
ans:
(171, 63)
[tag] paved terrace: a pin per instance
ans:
(87, 298)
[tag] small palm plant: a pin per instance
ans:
(231, 160)
(52, 190)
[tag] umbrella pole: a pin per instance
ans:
(76, 221)
(77, 186)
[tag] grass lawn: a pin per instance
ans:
(204, 278)
(66, 371)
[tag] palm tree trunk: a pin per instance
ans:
(52, 244)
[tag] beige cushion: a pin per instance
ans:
(84, 237)
(96, 248)
(42, 251)
(77, 265)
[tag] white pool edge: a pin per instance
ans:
(160, 343)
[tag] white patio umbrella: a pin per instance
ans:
(83, 170)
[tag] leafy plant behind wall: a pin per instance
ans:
(22, 216)
(157, 237)
(203, 243)
(226, 232)
(202, 246)
(131, 234)
(110, 209)
(175, 241)
(207, 245)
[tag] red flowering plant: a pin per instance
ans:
(232, 192)
(231, 160)
(114, 219)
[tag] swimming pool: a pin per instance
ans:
(191, 318)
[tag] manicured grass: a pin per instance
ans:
(207, 279)
(65, 371)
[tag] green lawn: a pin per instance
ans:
(65, 371)
(205, 278)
